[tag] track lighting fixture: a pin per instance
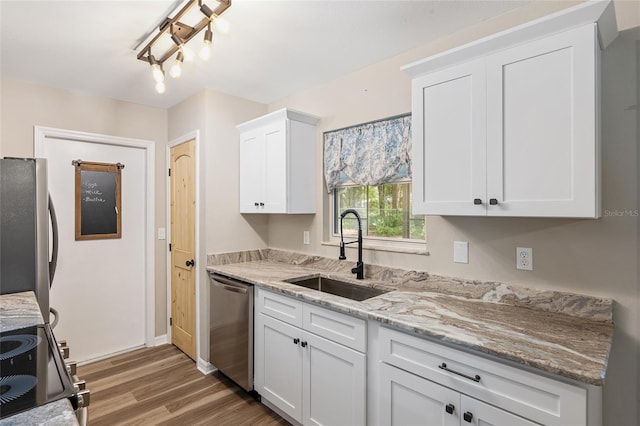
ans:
(181, 33)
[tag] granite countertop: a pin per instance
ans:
(561, 333)
(19, 310)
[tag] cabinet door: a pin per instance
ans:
(478, 413)
(409, 400)
(275, 167)
(334, 383)
(449, 141)
(278, 364)
(542, 128)
(252, 183)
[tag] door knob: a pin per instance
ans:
(190, 262)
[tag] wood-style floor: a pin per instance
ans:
(161, 386)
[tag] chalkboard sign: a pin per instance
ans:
(98, 209)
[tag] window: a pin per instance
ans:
(367, 168)
(385, 211)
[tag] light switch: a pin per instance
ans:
(461, 251)
(162, 234)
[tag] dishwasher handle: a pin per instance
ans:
(229, 285)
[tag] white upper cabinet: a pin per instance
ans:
(278, 163)
(509, 125)
(449, 115)
(542, 131)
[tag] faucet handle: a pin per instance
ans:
(342, 255)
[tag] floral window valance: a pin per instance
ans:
(368, 154)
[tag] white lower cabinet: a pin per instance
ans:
(278, 364)
(409, 400)
(422, 382)
(313, 380)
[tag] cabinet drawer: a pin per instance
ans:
(344, 329)
(281, 307)
(529, 395)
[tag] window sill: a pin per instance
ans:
(388, 246)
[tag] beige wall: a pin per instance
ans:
(597, 257)
(24, 105)
(215, 116)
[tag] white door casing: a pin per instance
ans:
(104, 290)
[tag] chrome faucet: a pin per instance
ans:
(359, 269)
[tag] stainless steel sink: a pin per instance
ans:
(338, 288)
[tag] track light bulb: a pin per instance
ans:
(188, 53)
(222, 24)
(176, 68)
(160, 87)
(205, 52)
(156, 70)
(158, 74)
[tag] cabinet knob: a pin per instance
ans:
(303, 344)
(477, 201)
(467, 417)
(296, 341)
(261, 204)
(256, 204)
(449, 408)
(493, 201)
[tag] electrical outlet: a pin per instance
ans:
(524, 258)
(305, 237)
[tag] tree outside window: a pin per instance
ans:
(385, 211)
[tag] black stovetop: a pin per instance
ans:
(32, 371)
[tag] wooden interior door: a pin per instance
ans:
(183, 271)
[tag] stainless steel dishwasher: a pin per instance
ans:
(231, 329)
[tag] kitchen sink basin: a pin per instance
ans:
(338, 288)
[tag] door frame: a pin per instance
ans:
(202, 365)
(40, 136)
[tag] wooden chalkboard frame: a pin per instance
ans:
(116, 168)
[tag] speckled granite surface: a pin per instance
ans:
(21, 310)
(561, 333)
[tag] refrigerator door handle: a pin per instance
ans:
(54, 251)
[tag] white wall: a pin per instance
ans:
(596, 257)
(24, 105)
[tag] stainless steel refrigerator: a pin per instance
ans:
(25, 212)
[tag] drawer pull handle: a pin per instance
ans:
(468, 417)
(444, 367)
(449, 408)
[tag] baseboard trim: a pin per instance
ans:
(205, 367)
(109, 355)
(161, 340)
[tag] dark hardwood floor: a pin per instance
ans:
(161, 386)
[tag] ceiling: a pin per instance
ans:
(274, 48)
